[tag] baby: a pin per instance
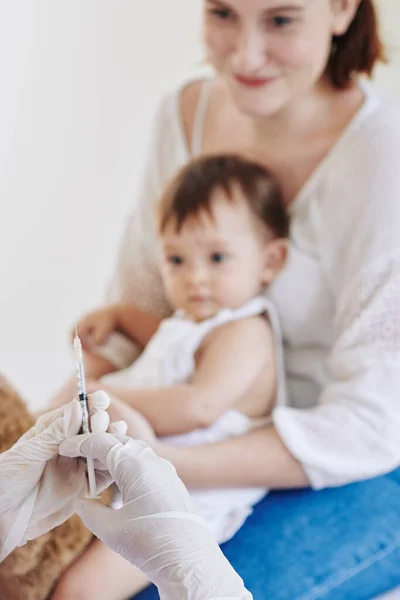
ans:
(213, 369)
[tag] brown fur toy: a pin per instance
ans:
(32, 571)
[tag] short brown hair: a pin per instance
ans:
(190, 191)
(359, 49)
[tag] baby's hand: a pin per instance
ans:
(95, 327)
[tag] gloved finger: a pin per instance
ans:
(99, 418)
(118, 428)
(98, 401)
(107, 451)
(47, 419)
(67, 423)
(134, 464)
(95, 445)
(64, 422)
(70, 412)
(99, 421)
(72, 448)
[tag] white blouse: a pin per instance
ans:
(338, 297)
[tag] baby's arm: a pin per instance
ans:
(230, 360)
(136, 324)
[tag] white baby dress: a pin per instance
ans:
(169, 359)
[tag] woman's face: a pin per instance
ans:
(272, 52)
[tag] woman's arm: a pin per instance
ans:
(257, 459)
(353, 433)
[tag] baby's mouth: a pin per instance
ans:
(196, 299)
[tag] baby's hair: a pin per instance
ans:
(191, 190)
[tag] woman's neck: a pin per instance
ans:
(324, 112)
(292, 143)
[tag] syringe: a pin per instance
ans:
(81, 384)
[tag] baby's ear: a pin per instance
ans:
(275, 257)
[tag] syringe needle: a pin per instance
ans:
(81, 384)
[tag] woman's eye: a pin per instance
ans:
(175, 260)
(218, 257)
(221, 13)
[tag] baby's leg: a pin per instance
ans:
(100, 574)
(138, 427)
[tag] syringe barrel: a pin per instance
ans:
(85, 413)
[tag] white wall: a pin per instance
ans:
(389, 76)
(80, 81)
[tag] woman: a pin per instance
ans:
(287, 93)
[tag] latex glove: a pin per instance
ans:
(37, 486)
(157, 529)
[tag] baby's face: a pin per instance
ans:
(214, 261)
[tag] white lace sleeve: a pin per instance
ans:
(354, 432)
(136, 275)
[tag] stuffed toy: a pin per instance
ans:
(32, 571)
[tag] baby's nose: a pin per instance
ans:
(197, 275)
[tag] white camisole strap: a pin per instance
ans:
(201, 109)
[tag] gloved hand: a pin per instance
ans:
(157, 529)
(37, 486)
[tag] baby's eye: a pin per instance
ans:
(280, 21)
(218, 257)
(175, 260)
